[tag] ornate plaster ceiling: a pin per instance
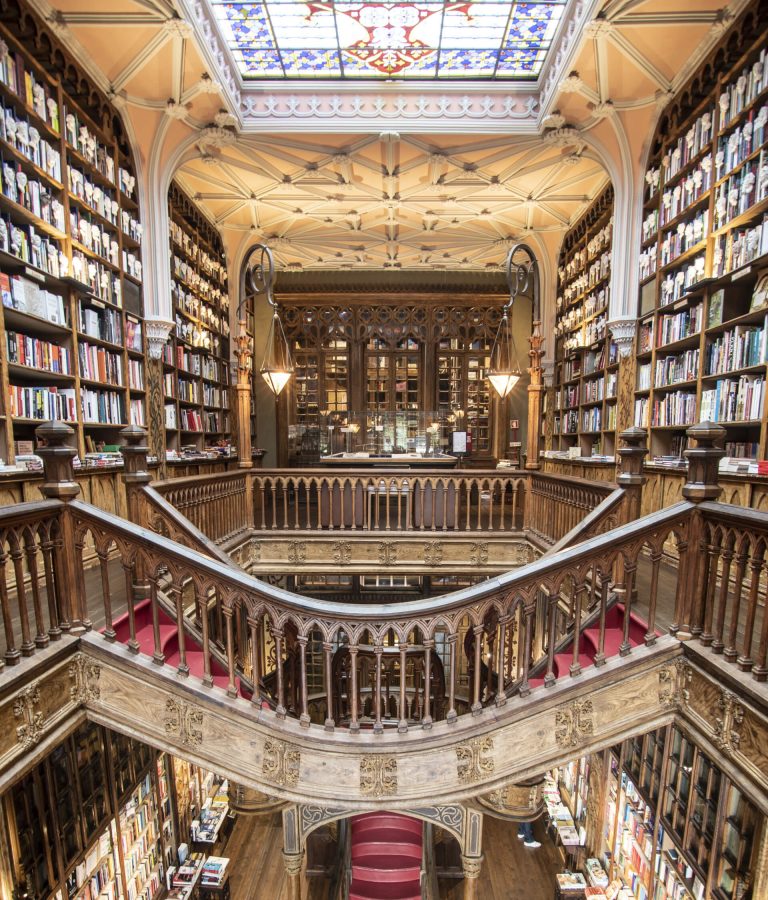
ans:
(390, 200)
(372, 176)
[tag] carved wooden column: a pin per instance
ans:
(535, 391)
(135, 474)
(155, 436)
(244, 354)
(471, 866)
(56, 447)
(548, 375)
(293, 852)
(702, 484)
(631, 476)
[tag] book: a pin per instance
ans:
(715, 312)
(760, 293)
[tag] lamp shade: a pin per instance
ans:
(277, 365)
(504, 370)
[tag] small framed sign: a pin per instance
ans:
(459, 442)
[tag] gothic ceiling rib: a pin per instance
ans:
(328, 199)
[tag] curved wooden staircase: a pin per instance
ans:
(386, 857)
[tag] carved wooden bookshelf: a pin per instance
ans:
(586, 363)
(196, 358)
(701, 340)
(70, 253)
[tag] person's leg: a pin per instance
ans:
(525, 831)
(529, 839)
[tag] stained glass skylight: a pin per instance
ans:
(443, 39)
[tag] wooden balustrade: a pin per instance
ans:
(555, 506)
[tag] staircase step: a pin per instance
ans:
(387, 820)
(614, 637)
(563, 662)
(368, 890)
(379, 833)
(388, 869)
(397, 846)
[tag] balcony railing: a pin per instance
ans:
(330, 665)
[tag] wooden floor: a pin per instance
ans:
(256, 862)
(510, 871)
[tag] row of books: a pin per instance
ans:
(676, 200)
(739, 247)
(136, 374)
(98, 364)
(738, 348)
(28, 297)
(101, 281)
(675, 408)
(24, 350)
(673, 327)
(102, 406)
(24, 137)
(734, 400)
(42, 403)
(32, 194)
(105, 324)
(690, 144)
(735, 147)
(34, 92)
(25, 243)
(679, 367)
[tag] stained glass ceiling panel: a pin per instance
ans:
(416, 40)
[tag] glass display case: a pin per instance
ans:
(382, 435)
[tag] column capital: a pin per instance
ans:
(157, 330)
(623, 333)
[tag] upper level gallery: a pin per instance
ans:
(567, 630)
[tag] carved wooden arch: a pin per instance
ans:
(451, 817)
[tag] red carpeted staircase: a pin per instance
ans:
(590, 641)
(169, 643)
(386, 857)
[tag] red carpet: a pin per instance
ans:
(590, 637)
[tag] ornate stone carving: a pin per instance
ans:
(208, 36)
(175, 110)
(157, 331)
(282, 762)
(449, 817)
(311, 816)
(573, 723)
(178, 28)
(566, 137)
(472, 761)
(215, 136)
(478, 554)
(471, 866)
(554, 120)
(623, 331)
(297, 552)
(673, 684)
(181, 722)
(341, 551)
(84, 676)
(293, 863)
(604, 110)
(571, 85)
(731, 715)
(225, 119)
(433, 553)
(255, 553)
(207, 85)
(598, 28)
(378, 776)
(26, 708)
(387, 553)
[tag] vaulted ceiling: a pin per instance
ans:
(426, 196)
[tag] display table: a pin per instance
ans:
(214, 884)
(570, 886)
(186, 877)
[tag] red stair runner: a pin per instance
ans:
(386, 857)
(169, 643)
(590, 641)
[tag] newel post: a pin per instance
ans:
(535, 391)
(630, 475)
(57, 451)
(135, 474)
(702, 484)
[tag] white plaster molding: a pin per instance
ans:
(554, 120)
(213, 50)
(566, 137)
(604, 109)
(157, 331)
(178, 28)
(207, 85)
(623, 333)
(405, 111)
(598, 28)
(118, 100)
(215, 136)
(723, 20)
(175, 110)
(571, 85)
(225, 119)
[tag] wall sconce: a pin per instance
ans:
(504, 371)
(277, 366)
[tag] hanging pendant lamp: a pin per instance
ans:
(504, 370)
(277, 365)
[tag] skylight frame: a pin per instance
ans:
(509, 61)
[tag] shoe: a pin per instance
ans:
(520, 837)
(532, 844)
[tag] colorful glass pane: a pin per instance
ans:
(416, 39)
